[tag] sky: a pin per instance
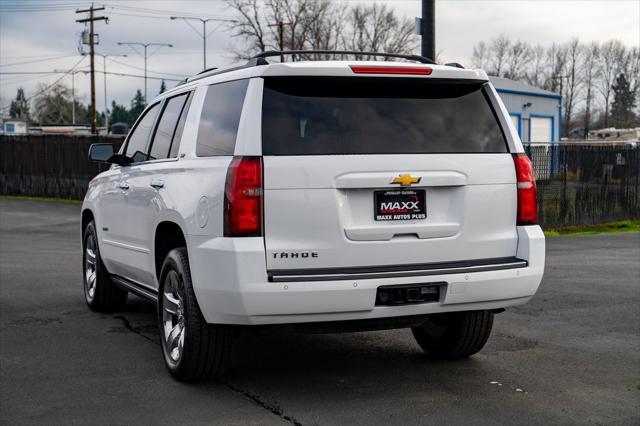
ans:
(38, 35)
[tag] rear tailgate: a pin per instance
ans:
(366, 172)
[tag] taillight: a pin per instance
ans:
(243, 198)
(385, 69)
(527, 197)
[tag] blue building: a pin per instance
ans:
(536, 113)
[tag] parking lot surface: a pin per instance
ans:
(571, 356)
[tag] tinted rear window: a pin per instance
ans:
(313, 116)
(220, 118)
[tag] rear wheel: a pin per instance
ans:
(99, 291)
(454, 335)
(192, 348)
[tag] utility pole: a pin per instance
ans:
(145, 46)
(104, 71)
(91, 19)
(280, 25)
(204, 34)
(428, 29)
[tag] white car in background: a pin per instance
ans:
(326, 195)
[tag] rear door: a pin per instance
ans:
(149, 182)
(372, 171)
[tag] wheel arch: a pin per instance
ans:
(168, 236)
(87, 216)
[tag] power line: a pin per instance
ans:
(152, 71)
(36, 60)
(88, 71)
(49, 86)
(165, 12)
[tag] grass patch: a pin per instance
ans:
(48, 199)
(601, 228)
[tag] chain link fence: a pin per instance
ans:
(581, 184)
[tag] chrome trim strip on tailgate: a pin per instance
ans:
(363, 273)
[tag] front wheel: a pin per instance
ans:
(99, 291)
(454, 335)
(193, 350)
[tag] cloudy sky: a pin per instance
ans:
(38, 36)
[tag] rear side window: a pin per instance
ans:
(166, 131)
(175, 146)
(313, 116)
(220, 118)
(137, 144)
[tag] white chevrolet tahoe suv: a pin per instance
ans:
(325, 195)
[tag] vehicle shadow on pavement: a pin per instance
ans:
(286, 357)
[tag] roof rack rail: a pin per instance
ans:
(253, 62)
(207, 70)
(271, 53)
(453, 64)
(260, 60)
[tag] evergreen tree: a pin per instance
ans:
(137, 106)
(163, 87)
(119, 114)
(19, 108)
(622, 114)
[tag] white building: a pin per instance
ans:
(536, 113)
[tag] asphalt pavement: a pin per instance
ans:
(571, 356)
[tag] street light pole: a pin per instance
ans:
(73, 90)
(73, 98)
(145, 46)
(204, 34)
(104, 70)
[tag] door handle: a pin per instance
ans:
(157, 183)
(124, 185)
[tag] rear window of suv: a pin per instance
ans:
(322, 116)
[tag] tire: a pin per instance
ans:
(99, 291)
(193, 349)
(454, 335)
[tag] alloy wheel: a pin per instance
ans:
(173, 319)
(90, 268)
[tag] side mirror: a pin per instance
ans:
(101, 152)
(104, 153)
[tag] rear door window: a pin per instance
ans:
(137, 144)
(325, 116)
(167, 125)
(220, 118)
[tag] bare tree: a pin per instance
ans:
(590, 74)
(500, 47)
(518, 56)
(321, 25)
(580, 73)
(574, 81)
(249, 25)
(376, 28)
(609, 61)
(556, 61)
(481, 55)
(537, 62)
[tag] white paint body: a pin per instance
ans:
(320, 204)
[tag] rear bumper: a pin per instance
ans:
(232, 286)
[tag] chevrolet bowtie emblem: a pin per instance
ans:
(405, 180)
